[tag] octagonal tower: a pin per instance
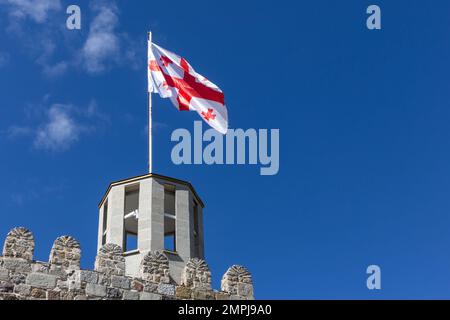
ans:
(150, 213)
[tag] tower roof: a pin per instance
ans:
(152, 175)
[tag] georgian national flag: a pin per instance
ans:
(172, 77)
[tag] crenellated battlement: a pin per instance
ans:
(61, 278)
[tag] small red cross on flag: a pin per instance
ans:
(172, 77)
(209, 115)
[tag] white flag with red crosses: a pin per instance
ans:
(172, 77)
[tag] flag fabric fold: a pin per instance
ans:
(171, 76)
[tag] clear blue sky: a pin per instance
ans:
(363, 117)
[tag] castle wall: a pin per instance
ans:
(22, 278)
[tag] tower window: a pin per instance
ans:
(169, 218)
(105, 222)
(169, 200)
(196, 231)
(130, 241)
(131, 218)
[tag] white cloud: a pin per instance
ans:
(36, 10)
(102, 44)
(18, 131)
(59, 126)
(60, 131)
(57, 51)
(56, 69)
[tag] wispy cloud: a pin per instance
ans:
(31, 190)
(59, 132)
(57, 50)
(55, 70)
(105, 47)
(102, 44)
(38, 11)
(60, 126)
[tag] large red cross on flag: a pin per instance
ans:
(172, 77)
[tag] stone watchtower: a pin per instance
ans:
(152, 213)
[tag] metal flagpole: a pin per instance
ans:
(150, 137)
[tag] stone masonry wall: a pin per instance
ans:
(22, 278)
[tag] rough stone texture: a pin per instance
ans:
(95, 290)
(4, 274)
(183, 293)
(238, 281)
(155, 267)
(222, 296)
(120, 282)
(80, 276)
(61, 279)
(110, 260)
(166, 289)
(113, 293)
(6, 287)
(131, 295)
(66, 253)
(203, 295)
(137, 285)
(16, 265)
(41, 280)
(19, 243)
(38, 293)
(18, 278)
(22, 289)
(150, 296)
(151, 287)
(196, 274)
(53, 295)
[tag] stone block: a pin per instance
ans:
(63, 284)
(22, 289)
(38, 293)
(203, 295)
(8, 296)
(222, 296)
(130, 295)
(17, 265)
(70, 295)
(95, 290)
(166, 289)
(18, 278)
(41, 280)
(74, 285)
(183, 292)
(120, 282)
(6, 287)
(245, 290)
(86, 276)
(150, 296)
(4, 274)
(137, 285)
(53, 295)
(151, 287)
(40, 267)
(113, 293)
